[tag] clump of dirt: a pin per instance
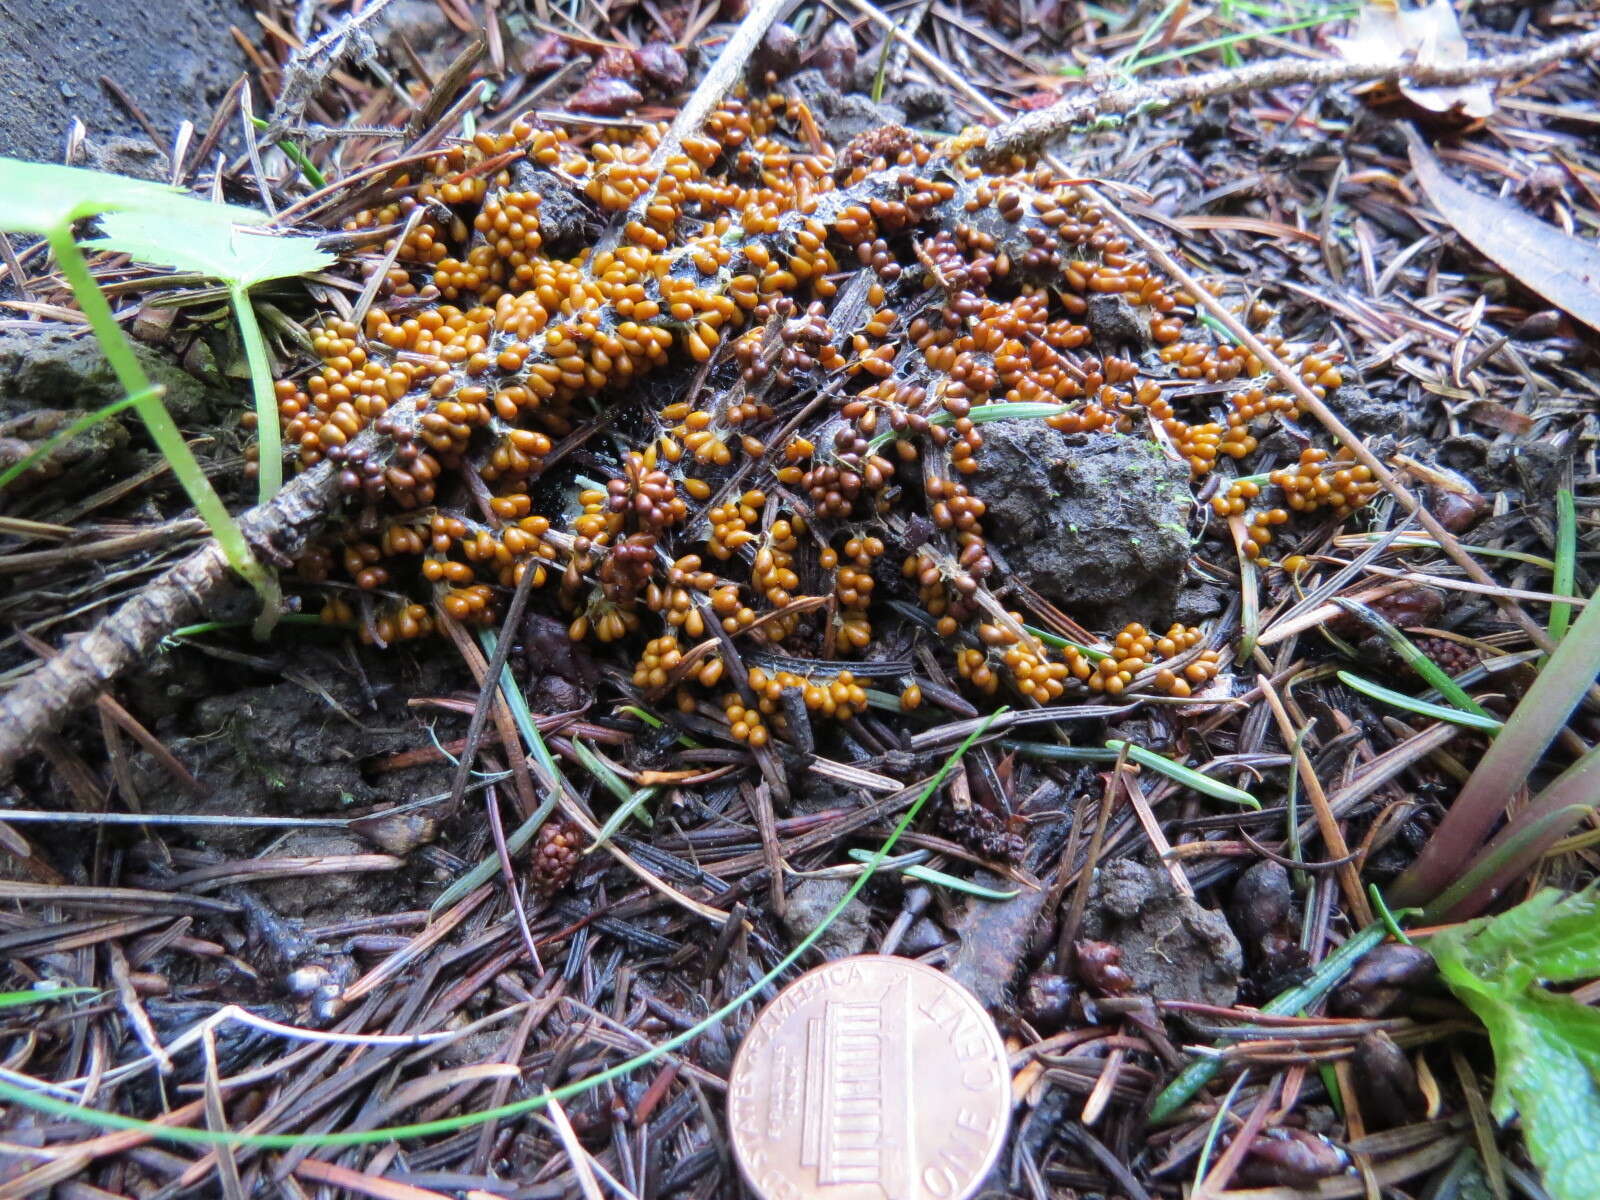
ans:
(49, 376)
(51, 366)
(174, 59)
(306, 746)
(1174, 948)
(842, 115)
(334, 895)
(809, 903)
(1097, 525)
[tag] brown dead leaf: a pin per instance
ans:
(1561, 268)
(1499, 417)
(1429, 36)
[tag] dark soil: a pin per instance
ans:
(175, 59)
(50, 376)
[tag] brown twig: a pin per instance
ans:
(1032, 132)
(1349, 874)
(43, 700)
(706, 96)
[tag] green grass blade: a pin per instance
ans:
(56, 440)
(297, 156)
(941, 879)
(1187, 776)
(1511, 848)
(220, 248)
(1060, 643)
(655, 722)
(1415, 658)
(602, 771)
(1052, 753)
(1148, 34)
(158, 421)
(46, 995)
(269, 434)
(489, 867)
(186, 631)
(1234, 39)
(1540, 715)
(634, 804)
(1566, 564)
(518, 703)
(1421, 708)
(1006, 410)
(1421, 541)
(1528, 836)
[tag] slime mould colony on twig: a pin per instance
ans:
(506, 322)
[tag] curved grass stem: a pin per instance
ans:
(163, 429)
(269, 436)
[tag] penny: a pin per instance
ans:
(871, 1077)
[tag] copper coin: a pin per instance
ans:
(870, 1077)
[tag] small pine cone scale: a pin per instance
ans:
(982, 832)
(1451, 657)
(557, 849)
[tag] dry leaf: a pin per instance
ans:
(1544, 259)
(1429, 36)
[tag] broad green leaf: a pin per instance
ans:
(1546, 1054)
(215, 245)
(39, 197)
(216, 248)
(1550, 938)
(1546, 1045)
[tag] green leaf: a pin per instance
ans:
(1546, 1045)
(1549, 939)
(1547, 1055)
(219, 248)
(40, 197)
(218, 245)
